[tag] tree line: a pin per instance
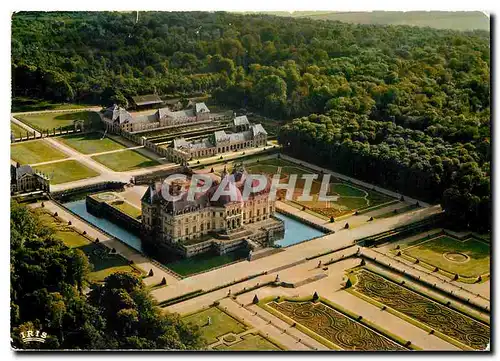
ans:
(420, 97)
(50, 292)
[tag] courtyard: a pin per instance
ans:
(351, 198)
(66, 171)
(467, 258)
(224, 332)
(125, 161)
(18, 131)
(50, 120)
(36, 151)
(90, 143)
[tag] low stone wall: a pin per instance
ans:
(303, 220)
(148, 178)
(102, 209)
(61, 195)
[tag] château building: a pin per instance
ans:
(244, 135)
(194, 226)
(117, 118)
(23, 178)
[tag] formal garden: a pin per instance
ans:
(125, 160)
(435, 317)
(222, 331)
(350, 197)
(18, 131)
(36, 151)
(90, 143)
(66, 171)
(333, 326)
(55, 120)
(467, 260)
(104, 261)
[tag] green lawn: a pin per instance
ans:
(204, 262)
(221, 324)
(351, 198)
(250, 342)
(89, 143)
(103, 262)
(433, 252)
(37, 151)
(66, 171)
(23, 104)
(18, 130)
(127, 208)
(50, 120)
(347, 191)
(124, 161)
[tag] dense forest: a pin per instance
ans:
(405, 107)
(47, 284)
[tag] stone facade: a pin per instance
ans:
(225, 222)
(116, 117)
(24, 179)
(220, 142)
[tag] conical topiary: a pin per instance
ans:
(315, 296)
(346, 226)
(332, 220)
(255, 299)
(151, 273)
(163, 281)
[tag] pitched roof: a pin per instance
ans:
(241, 120)
(118, 114)
(23, 170)
(221, 136)
(258, 129)
(201, 108)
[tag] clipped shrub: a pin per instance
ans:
(151, 273)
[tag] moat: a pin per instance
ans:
(295, 232)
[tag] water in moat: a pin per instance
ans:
(116, 231)
(295, 232)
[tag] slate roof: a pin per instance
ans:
(118, 115)
(258, 129)
(241, 120)
(201, 108)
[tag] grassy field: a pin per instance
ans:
(221, 324)
(18, 130)
(89, 143)
(50, 120)
(204, 262)
(438, 252)
(33, 152)
(66, 171)
(457, 20)
(124, 161)
(127, 208)
(103, 262)
(350, 197)
(23, 104)
(250, 342)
